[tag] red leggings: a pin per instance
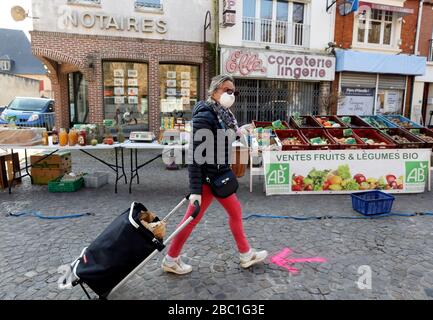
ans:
(234, 211)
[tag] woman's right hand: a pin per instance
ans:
(193, 198)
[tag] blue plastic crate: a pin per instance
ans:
(372, 202)
(386, 122)
(402, 119)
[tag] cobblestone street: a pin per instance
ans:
(399, 250)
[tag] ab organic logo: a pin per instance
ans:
(278, 174)
(416, 171)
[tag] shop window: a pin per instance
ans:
(390, 101)
(178, 91)
(126, 92)
(375, 27)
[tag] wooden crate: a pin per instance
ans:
(8, 164)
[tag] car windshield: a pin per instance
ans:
(27, 104)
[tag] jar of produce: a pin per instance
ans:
(55, 136)
(63, 137)
(82, 138)
(45, 138)
(120, 135)
(73, 137)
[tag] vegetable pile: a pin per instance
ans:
(291, 141)
(346, 140)
(342, 180)
(404, 124)
(375, 122)
(328, 123)
(319, 141)
(373, 142)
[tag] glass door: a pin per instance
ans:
(78, 99)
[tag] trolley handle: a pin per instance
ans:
(196, 210)
(196, 205)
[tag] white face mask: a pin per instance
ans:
(227, 100)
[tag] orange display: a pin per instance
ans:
(63, 137)
(73, 137)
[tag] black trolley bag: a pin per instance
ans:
(118, 252)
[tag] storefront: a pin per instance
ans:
(133, 65)
(371, 83)
(274, 84)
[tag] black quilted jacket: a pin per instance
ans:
(204, 117)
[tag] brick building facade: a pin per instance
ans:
(129, 63)
(390, 44)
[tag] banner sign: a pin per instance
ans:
(346, 171)
(254, 63)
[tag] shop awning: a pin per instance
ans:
(378, 6)
(355, 61)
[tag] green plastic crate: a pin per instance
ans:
(65, 186)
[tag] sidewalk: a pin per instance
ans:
(398, 250)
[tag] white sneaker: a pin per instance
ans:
(253, 258)
(176, 266)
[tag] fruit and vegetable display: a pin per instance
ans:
(375, 122)
(319, 141)
(305, 121)
(373, 142)
(291, 141)
(400, 123)
(343, 180)
(400, 139)
(422, 136)
(327, 123)
(346, 140)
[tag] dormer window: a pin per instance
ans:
(5, 65)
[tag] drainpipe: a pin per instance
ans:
(418, 27)
(412, 82)
(217, 34)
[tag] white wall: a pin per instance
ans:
(12, 86)
(185, 19)
(321, 27)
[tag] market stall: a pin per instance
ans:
(33, 139)
(344, 154)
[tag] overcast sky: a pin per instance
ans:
(6, 20)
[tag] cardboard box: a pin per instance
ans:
(42, 176)
(59, 160)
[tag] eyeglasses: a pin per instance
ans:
(230, 92)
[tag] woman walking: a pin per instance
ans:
(213, 115)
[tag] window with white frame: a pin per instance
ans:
(5, 65)
(376, 27)
(148, 4)
(275, 21)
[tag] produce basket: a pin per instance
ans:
(308, 122)
(65, 186)
(425, 135)
(382, 141)
(284, 134)
(355, 122)
(268, 125)
(339, 134)
(403, 138)
(378, 122)
(95, 180)
(372, 202)
(402, 122)
(311, 134)
(332, 119)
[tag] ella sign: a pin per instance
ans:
(277, 65)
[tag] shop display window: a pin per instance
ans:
(179, 93)
(126, 94)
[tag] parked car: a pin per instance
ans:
(29, 112)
